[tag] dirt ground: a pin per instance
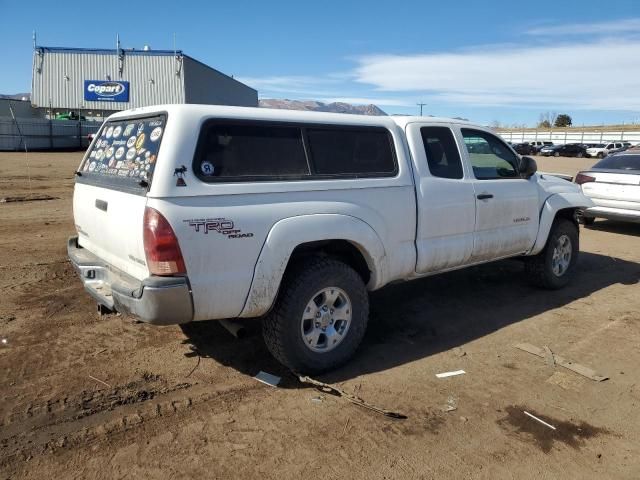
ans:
(85, 396)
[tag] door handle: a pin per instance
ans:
(484, 196)
(101, 205)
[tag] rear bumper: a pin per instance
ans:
(156, 300)
(611, 213)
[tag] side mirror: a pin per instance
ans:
(528, 167)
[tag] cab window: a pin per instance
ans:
(490, 158)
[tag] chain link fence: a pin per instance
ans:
(44, 134)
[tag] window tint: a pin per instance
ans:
(620, 162)
(351, 151)
(490, 158)
(231, 151)
(442, 154)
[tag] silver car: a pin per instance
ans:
(614, 186)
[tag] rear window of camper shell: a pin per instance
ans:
(124, 152)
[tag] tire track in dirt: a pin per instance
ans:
(99, 416)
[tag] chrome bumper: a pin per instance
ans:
(157, 300)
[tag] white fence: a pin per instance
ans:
(570, 136)
(43, 134)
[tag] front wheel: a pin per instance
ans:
(553, 267)
(556, 154)
(320, 316)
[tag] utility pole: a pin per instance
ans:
(421, 105)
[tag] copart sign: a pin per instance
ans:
(106, 91)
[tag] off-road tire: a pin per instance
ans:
(538, 268)
(281, 327)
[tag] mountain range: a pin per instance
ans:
(315, 106)
(16, 96)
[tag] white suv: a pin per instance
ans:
(192, 212)
(604, 149)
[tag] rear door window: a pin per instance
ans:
(620, 162)
(124, 153)
(442, 153)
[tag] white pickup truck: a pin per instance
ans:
(193, 212)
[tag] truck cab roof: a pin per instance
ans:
(259, 113)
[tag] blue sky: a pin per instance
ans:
(503, 61)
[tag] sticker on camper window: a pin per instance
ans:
(207, 168)
(109, 132)
(155, 134)
(131, 142)
(117, 131)
(119, 153)
(131, 153)
(140, 141)
(128, 130)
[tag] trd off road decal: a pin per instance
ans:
(222, 226)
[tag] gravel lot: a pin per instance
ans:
(86, 396)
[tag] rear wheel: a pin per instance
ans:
(601, 155)
(319, 318)
(579, 155)
(553, 267)
(556, 154)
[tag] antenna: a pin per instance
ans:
(35, 42)
(421, 105)
(118, 42)
(177, 58)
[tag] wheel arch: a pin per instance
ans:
(560, 205)
(356, 243)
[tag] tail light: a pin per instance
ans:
(582, 178)
(161, 245)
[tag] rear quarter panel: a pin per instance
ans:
(222, 227)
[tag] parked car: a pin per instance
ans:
(539, 145)
(524, 148)
(614, 186)
(604, 149)
(69, 116)
(568, 150)
(198, 212)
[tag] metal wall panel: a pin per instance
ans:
(206, 85)
(58, 79)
